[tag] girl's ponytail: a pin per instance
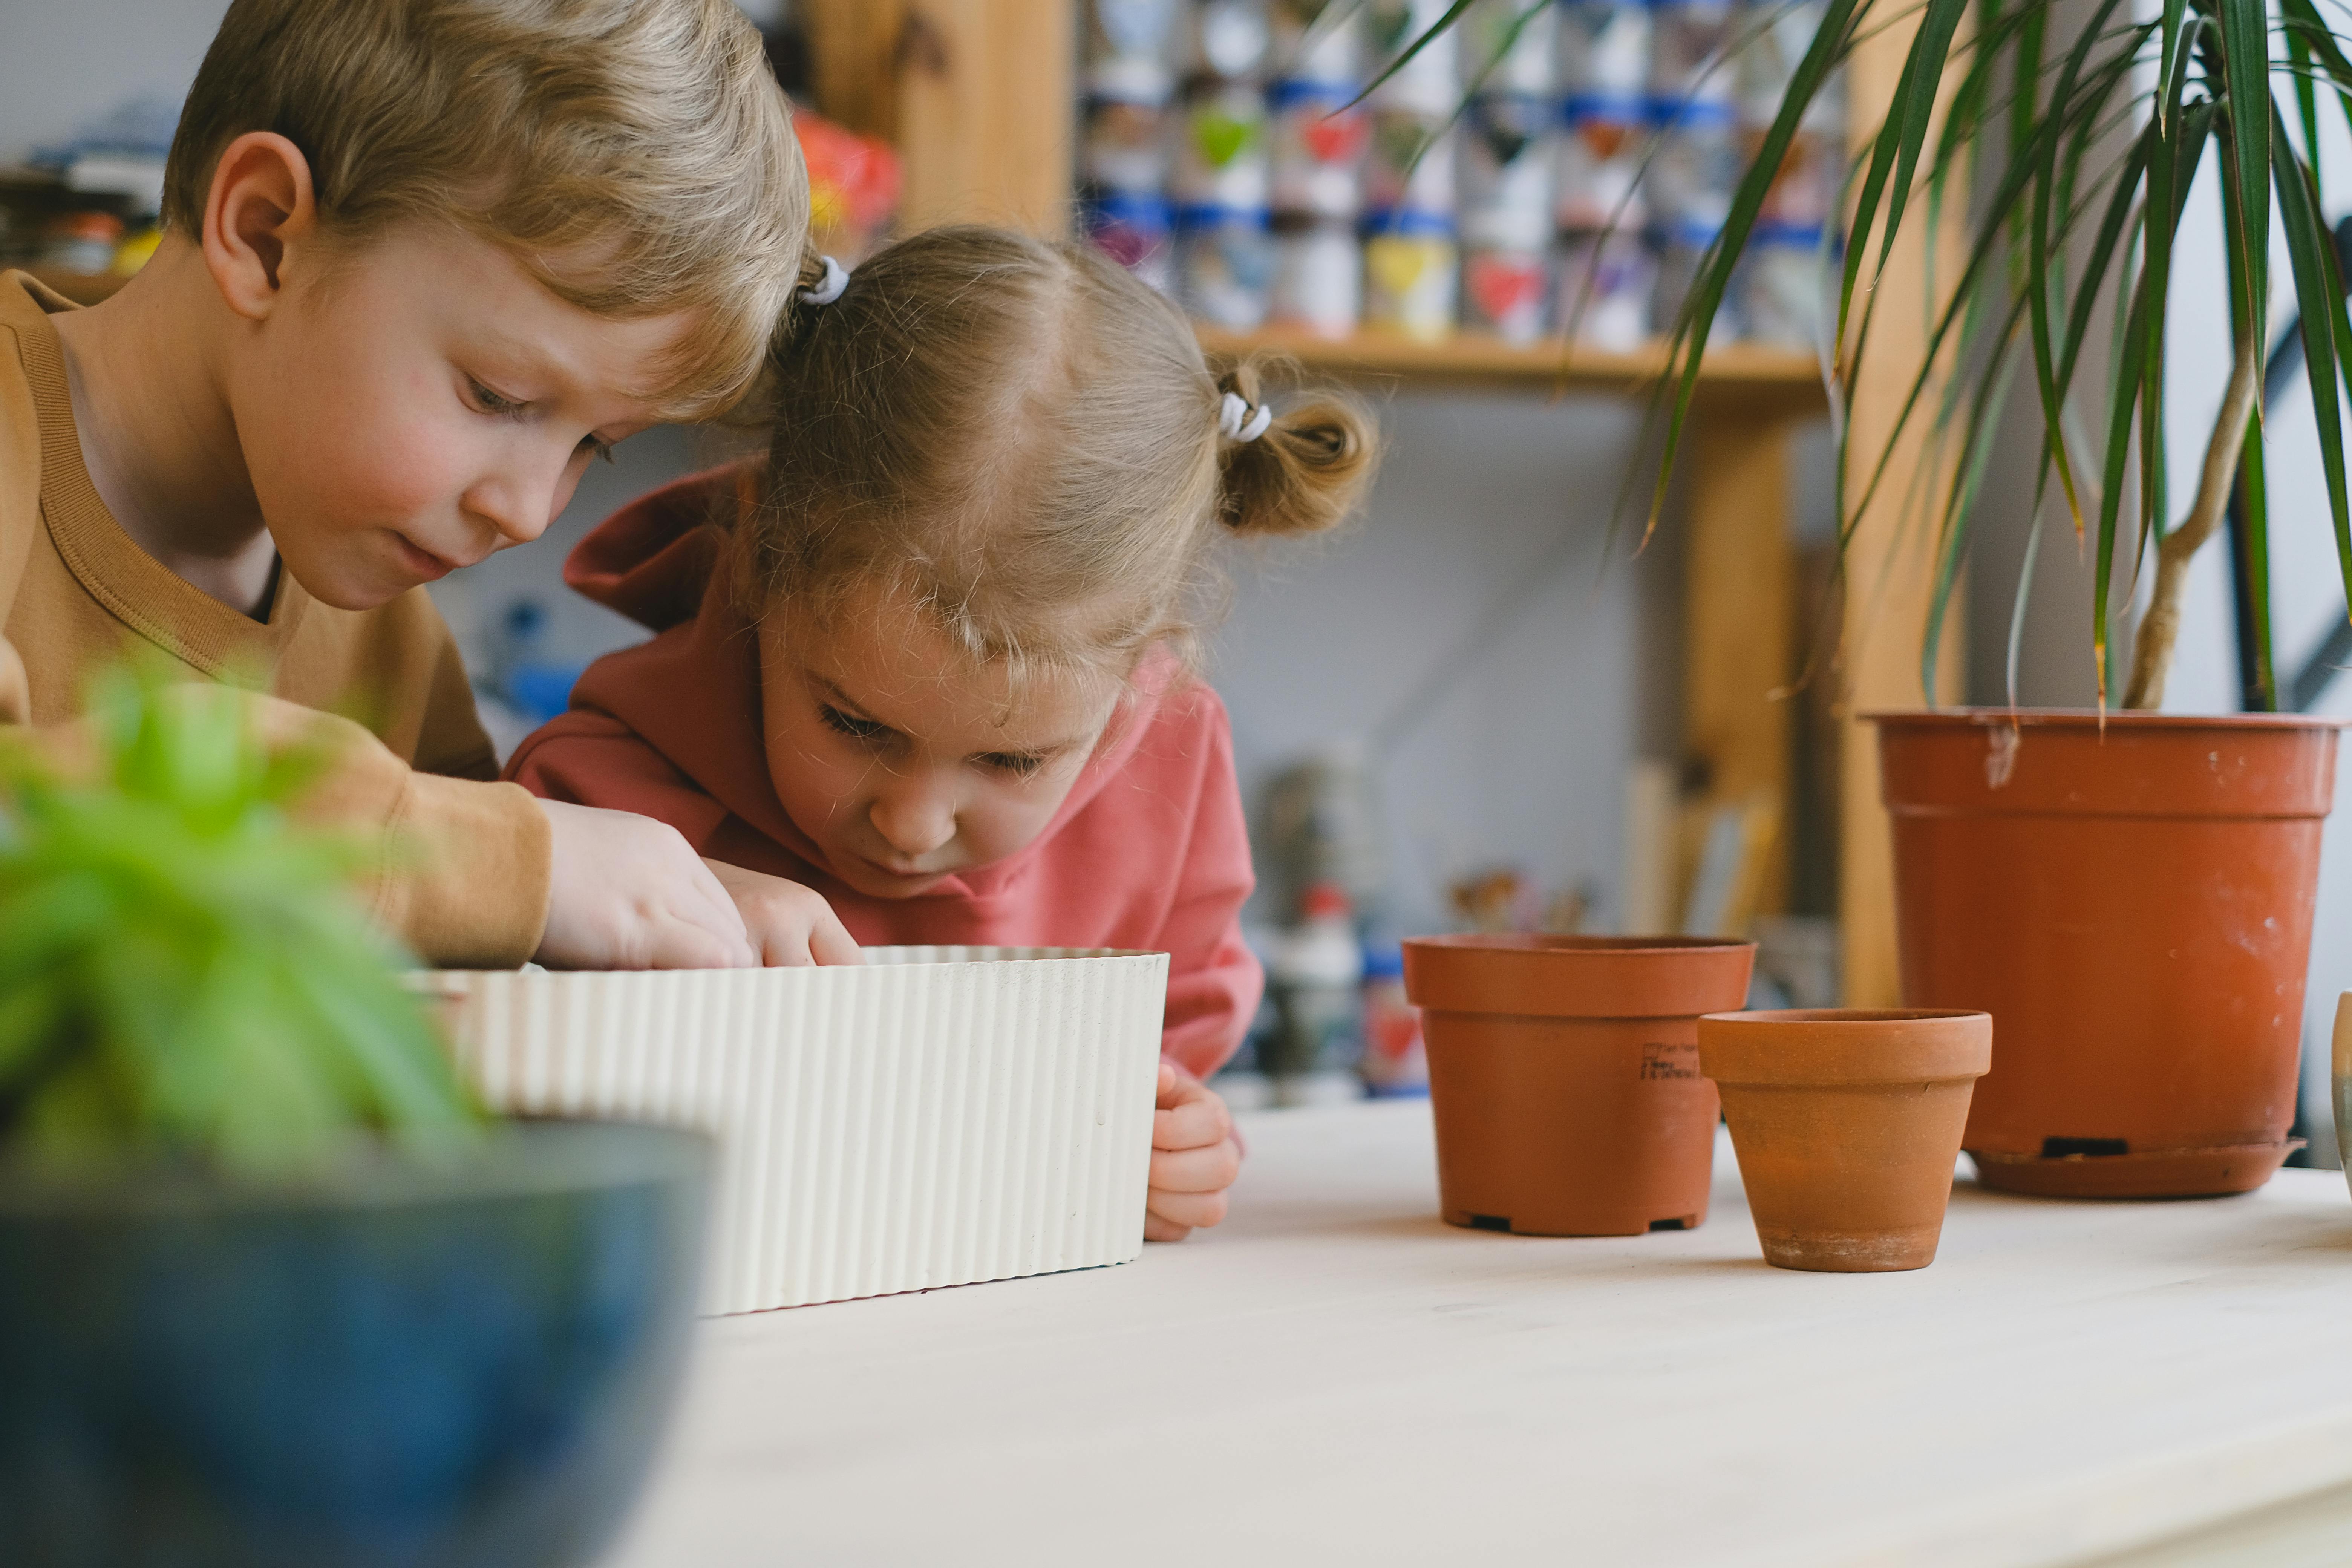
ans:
(1303, 471)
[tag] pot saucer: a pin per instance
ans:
(2209, 1173)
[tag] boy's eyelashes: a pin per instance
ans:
(1020, 764)
(489, 401)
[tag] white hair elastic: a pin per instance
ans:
(1238, 419)
(829, 287)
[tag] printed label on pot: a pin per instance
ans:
(1664, 1059)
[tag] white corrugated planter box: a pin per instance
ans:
(940, 1116)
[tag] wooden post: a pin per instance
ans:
(1889, 564)
(1739, 583)
(854, 53)
(978, 94)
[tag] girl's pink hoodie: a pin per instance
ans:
(1150, 850)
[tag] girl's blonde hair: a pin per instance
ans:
(636, 156)
(1024, 440)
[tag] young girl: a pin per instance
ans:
(931, 659)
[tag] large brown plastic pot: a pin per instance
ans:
(1563, 1073)
(1846, 1124)
(2133, 906)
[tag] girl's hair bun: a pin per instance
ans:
(1307, 473)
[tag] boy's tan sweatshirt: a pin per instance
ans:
(462, 862)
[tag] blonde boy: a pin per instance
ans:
(423, 260)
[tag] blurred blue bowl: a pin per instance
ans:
(400, 1366)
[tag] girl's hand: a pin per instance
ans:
(1194, 1158)
(790, 925)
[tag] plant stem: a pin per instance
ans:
(2160, 627)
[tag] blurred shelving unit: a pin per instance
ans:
(1472, 360)
(978, 95)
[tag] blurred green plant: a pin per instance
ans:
(2064, 145)
(183, 972)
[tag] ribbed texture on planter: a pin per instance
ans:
(937, 1117)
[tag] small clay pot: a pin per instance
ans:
(1563, 1074)
(1847, 1124)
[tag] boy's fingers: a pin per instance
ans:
(713, 906)
(1210, 1170)
(680, 943)
(1157, 1229)
(1193, 1210)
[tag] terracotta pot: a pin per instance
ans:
(1846, 1124)
(2134, 908)
(1563, 1073)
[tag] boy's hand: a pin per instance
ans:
(1194, 1158)
(628, 892)
(788, 924)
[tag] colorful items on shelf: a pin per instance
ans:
(81, 242)
(1225, 155)
(854, 185)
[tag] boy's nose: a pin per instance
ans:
(519, 505)
(913, 822)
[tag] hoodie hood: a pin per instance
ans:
(693, 692)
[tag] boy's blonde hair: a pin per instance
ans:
(636, 156)
(1023, 438)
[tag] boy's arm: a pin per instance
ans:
(461, 866)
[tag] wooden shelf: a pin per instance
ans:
(81, 288)
(1748, 370)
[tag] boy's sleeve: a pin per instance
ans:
(461, 866)
(1214, 982)
(466, 871)
(450, 740)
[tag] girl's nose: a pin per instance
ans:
(914, 821)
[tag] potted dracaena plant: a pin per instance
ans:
(2129, 893)
(272, 1290)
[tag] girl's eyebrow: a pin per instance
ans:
(831, 689)
(841, 699)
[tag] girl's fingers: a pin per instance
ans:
(1191, 1210)
(1210, 1170)
(1192, 1124)
(1157, 1229)
(830, 941)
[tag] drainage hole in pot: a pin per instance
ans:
(2072, 1148)
(1490, 1222)
(1680, 1222)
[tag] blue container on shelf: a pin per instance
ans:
(1136, 230)
(1224, 264)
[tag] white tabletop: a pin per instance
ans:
(1335, 1376)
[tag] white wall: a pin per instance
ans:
(68, 61)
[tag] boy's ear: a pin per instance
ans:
(261, 208)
